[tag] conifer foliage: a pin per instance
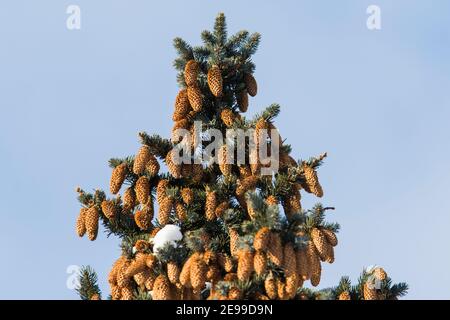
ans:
(217, 230)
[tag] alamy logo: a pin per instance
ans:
(73, 21)
(72, 281)
(374, 20)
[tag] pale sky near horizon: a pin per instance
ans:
(376, 101)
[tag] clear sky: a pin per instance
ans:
(377, 101)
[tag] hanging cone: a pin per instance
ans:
(179, 130)
(380, 274)
(150, 281)
(191, 72)
(127, 293)
(210, 205)
(221, 208)
(116, 292)
(224, 166)
(227, 116)
(173, 166)
(143, 220)
(250, 84)
(80, 226)
(345, 295)
(289, 261)
(142, 189)
(260, 263)
(272, 200)
(173, 271)
(152, 166)
(141, 246)
(150, 261)
(303, 268)
(161, 190)
(137, 265)
(312, 181)
(291, 285)
(242, 99)
(275, 249)
(245, 264)
(261, 239)
(129, 199)
(165, 208)
(215, 81)
(195, 97)
(118, 177)
(324, 249)
(198, 273)
(185, 275)
(182, 107)
(225, 262)
(314, 264)
(369, 293)
(109, 209)
(270, 286)
(181, 211)
(91, 221)
(141, 159)
(187, 195)
(330, 236)
(161, 288)
(234, 241)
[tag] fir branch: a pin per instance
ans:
(220, 29)
(88, 283)
(160, 147)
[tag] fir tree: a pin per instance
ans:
(221, 230)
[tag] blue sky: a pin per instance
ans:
(377, 101)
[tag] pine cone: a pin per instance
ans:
(161, 288)
(127, 293)
(221, 208)
(210, 205)
(161, 189)
(314, 264)
(141, 159)
(270, 285)
(142, 245)
(195, 97)
(181, 211)
(275, 249)
(182, 107)
(142, 189)
(116, 292)
(247, 184)
(291, 285)
(215, 81)
(331, 237)
(234, 241)
(137, 265)
(118, 177)
(245, 264)
(122, 279)
(225, 262)
(191, 72)
(143, 219)
(109, 209)
(129, 199)
(185, 275)
(260, 263)
(242, 100)
(345, 295)
(150, 261)
(369, 293)
(91, 222)
(165, 208)
(272, 201)
(255, 163)
(152, 166)
(187, 195)
(324, 249)
(149, 282)
(227, 117)
(261, 239)
(173, 272)
(198, 273)
(289, 261)
(224, 166)
(81, 226)
(177, 130)
(250, 84)
(173, 166)
(303, 268)
(380, 274)
(312, 181)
